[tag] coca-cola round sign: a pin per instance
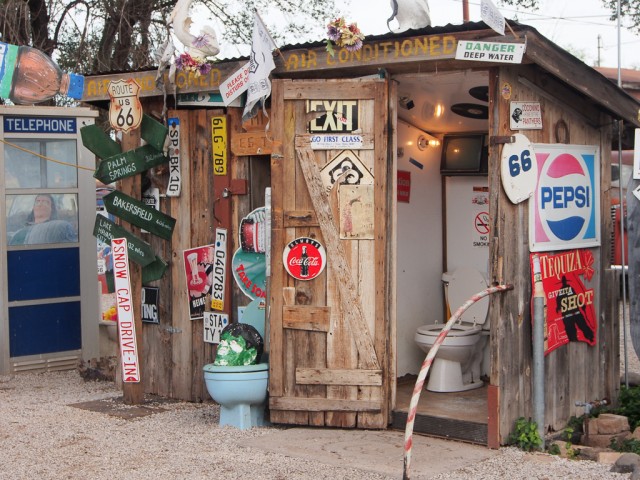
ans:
(304, 258)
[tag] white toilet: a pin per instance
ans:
(463, 355)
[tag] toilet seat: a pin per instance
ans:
(457, 330)
(462, 284)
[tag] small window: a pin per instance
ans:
(42, 219)
(27, 164)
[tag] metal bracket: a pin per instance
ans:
(496, 140)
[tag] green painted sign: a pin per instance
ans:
(139, 250)
(154, 271)
(129, 163)
(153, 132)
(98, 142)
(140, 214)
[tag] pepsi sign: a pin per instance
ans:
(565, 209)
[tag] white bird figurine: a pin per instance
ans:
(203, 45)
(409, 14)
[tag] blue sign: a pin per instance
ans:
(13, 124)
(565, 211)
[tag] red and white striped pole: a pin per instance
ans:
(424, 369)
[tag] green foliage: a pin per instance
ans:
(629, 445)
(553, 449)
(568, 435)
(525, 436)
(630, 405)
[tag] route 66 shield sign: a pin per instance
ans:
(125, 109)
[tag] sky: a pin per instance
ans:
(572, 24)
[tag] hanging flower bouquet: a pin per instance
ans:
(344, 35)
(195, 64)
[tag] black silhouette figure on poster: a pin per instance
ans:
(573, 316)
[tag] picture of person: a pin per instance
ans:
(43, 225)
(572, 315)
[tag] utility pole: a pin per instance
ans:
(465, 11)
(599, 49)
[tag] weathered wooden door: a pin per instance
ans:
(330, 336)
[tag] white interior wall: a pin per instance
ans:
(464, 202)
(419, 249)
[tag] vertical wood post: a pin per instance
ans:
(133, 393)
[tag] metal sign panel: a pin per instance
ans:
(334, 116)
(518, 169)
(564, 211)
(126, 320)
(490, 51)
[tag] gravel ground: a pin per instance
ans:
(43, 437)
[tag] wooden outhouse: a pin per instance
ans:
(357, 151)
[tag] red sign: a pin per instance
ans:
(404, 186)
(304, 258)
(570, 315)
(126, 322)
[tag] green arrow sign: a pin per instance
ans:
(154, 271)
(140, 214)
(129, 163)
(139, 250)
(98, 142)
(153, 132)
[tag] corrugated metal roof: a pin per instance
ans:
(433, 30)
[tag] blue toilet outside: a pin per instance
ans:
(241, 391)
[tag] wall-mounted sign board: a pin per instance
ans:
(129, 163)
(490, 51)
(138, 213)
(139, 250)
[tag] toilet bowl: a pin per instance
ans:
(241, 392)
(458, 365)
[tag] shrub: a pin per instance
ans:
(525, 436)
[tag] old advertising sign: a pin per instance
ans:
(198, 264)
(140, 251)
(564, 211)
(251, 143)
(355, 203)
(518, 169)
(129, 163)
(126, 321)
(249, 263)
(334, 116)
(345, 169)
(150, 303)
(219, 139)
(304, 258)
(175, 175)
(525, 115)
(570, 315)
(140, 214)
(125, 109)
(490, 51)
(214, 323)
(206, 99)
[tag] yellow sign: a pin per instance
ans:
(219, 139)
(125, 109)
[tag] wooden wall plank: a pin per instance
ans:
(300, 218)
(180, 329)
(306, 318)
(304, 405)
(335, 376)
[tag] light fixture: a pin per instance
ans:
(425, 140)
(406, 103)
